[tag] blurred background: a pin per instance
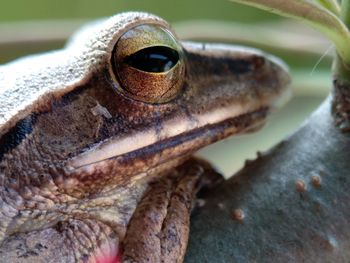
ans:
(28, 27)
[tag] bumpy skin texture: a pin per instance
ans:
(77, 151)
(295, 200)
(158, 230)
(71, 241)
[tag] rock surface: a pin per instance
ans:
(291, 204)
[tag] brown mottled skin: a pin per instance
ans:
(93, 149)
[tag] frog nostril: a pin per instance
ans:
(153, 59)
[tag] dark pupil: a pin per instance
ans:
(153, 59)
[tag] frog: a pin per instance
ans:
(97, 140)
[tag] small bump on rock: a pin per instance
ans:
(238, 215)
(330, 243)
(316, 181)
(300, 186)
(221, 206)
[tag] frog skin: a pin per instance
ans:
(96, 139)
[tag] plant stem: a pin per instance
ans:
(316, 16)
(341, 84)
(331, 5)
(345, 12)
(341, 70)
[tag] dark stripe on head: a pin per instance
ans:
(223, 66)
(16, 135)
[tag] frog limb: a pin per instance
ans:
(159, 233)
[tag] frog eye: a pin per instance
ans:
(148, 63)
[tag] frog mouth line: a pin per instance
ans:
(175, 128)
(237, 124)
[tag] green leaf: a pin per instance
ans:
(316, 16)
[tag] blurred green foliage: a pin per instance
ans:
(173, 11)
(170, 10)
